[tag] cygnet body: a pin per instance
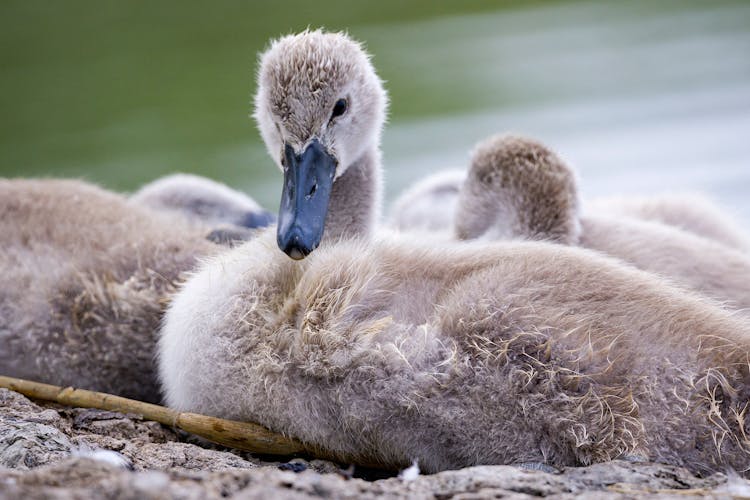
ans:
(85, 279)
(428, 205)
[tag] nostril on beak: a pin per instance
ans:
(312, 191)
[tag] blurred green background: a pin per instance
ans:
(641, 96)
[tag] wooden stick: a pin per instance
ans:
(241, 435)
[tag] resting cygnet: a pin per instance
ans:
(385, 349)
(228, 214)
(517, 188)
(84, 281)
(428, 205)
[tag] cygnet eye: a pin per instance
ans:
(339, 108)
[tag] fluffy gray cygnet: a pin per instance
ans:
(385, 348)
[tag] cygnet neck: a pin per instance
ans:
(355, 203)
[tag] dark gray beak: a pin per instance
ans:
(255, 220)
(308, 179)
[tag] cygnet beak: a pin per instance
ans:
(259, 219)
(308, 179)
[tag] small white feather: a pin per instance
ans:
(736, 487)
(107, 456)
(410, 473)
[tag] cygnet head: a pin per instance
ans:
(518, 188)
(319, 107)
(202, 200)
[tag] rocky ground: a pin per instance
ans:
(49, 451)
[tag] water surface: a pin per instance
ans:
(640, 96)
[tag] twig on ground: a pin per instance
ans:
(240, 435)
